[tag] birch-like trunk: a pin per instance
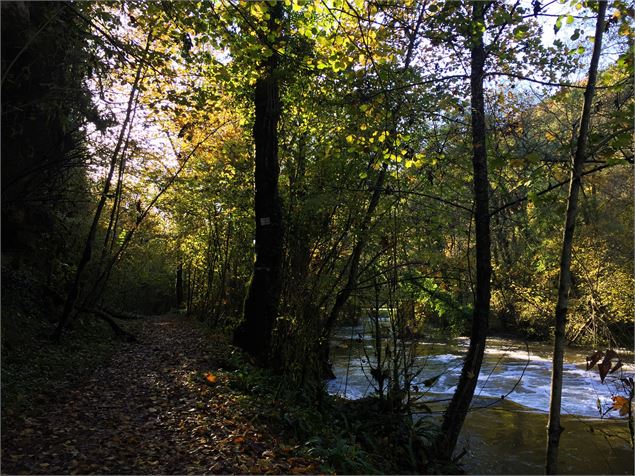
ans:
(554, 428)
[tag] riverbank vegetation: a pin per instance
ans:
(274, 170)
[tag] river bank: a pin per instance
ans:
(505, 432)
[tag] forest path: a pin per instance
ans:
(150, 411)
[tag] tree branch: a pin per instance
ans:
(548, 189)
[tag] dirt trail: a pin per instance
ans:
(148, 412)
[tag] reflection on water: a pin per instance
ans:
(503, 440)
(508, 437)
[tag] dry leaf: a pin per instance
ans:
(593, 359)
(621, 404)
(605, 366)
(616, 367)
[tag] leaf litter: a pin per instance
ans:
(159, 407)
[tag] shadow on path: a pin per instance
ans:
(148, 412)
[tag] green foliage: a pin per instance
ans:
(527, 245)
(341, 456)
(351, 103)
(314, 429)
(369, 90)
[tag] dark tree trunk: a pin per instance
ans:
(191, 283)
(299, 236)
(554, 429)
(261, 305)
(220, 303)
(457, 410)
(179, 285)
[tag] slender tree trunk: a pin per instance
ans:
(178, 287)
(261, 305)
(85, 258)
(362, 235)
(191, 279)
(219, 304)
(457, 410)
(213, 252)
(554, 429)
(353, 269)
(111, 231)
(298, 237)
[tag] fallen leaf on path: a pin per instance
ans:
(211, 378)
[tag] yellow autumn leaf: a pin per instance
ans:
(621, 404)
(211, 378)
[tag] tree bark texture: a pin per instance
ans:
(261, 304)
(456, 412)
(554, 429)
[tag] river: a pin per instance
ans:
(507, 436)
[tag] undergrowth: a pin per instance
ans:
(34, 368)
(348, 437)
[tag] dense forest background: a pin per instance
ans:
(409, 159)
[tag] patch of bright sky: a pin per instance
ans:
(582, 20)
(554, 9)
(152, 130)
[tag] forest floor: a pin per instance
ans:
(171, 403)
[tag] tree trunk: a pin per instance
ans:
(299, 237)
(261, 305)
(219, 304)
(86, 256)
(456, 412)
(191, 283)
(554, 429)
(353, 271)
(179, 285)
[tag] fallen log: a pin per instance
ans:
(105, 316)
(126, 316)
